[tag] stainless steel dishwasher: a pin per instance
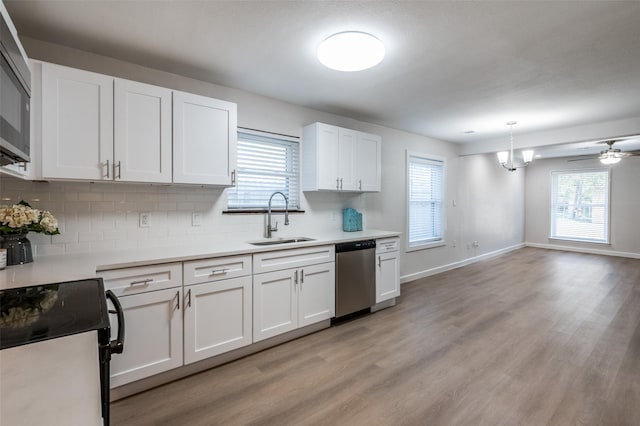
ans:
(355, 276)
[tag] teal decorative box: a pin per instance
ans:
(351, 220)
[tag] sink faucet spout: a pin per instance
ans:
(271, 229)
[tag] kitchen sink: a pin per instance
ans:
(275, 241)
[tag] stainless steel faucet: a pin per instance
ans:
(286, 214)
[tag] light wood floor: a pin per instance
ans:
(533, 337)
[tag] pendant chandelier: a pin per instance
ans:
(506, 157)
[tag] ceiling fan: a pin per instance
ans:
(610, 155)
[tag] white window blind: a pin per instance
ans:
(265, 164)
(425, 196)
(580, 205)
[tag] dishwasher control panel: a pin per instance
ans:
(355, 245)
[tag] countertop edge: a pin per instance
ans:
(59, 268)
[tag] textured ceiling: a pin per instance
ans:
(450, 66)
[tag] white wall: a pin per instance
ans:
(103, 216)
(489, 206)
(625, 206)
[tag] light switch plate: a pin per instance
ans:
(196, 219)
(145, 220)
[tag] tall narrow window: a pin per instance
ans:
(265, 164)
(425, 201)
(580, 205)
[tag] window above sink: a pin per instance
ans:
(266, 163)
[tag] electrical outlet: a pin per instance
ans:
(145, 220)
(196, 218)
(476, 244)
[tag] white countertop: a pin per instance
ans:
(60, 268)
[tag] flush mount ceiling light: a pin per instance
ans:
(351, 51)
(506, 157)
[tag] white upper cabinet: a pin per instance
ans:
(98, 127)
(324, 149)
(368, 162)
(77, 124)
(142, 138)
(346, 160)
(338, 159)
(204, 140)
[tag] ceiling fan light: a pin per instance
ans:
(351, 51)
(610, 160)
(503, 157)
(527, 156)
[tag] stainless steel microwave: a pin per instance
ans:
(15, 92)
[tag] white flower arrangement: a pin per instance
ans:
(21, 218)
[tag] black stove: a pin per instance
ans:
(37, 313)
(43, 312)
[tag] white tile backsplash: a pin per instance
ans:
(104, 216)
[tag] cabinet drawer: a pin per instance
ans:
(142, 279)
(294, 258)
(387, 244)
(216, 269)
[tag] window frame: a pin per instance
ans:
(258, 210)
(431, 244)
(552, 192)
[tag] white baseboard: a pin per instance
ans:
(459, 264)
(585, 250)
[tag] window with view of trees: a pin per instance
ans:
(580, 205)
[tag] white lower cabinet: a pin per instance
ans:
(387, 269)
(153, 336)
(151, 297)
(275, 304)
(217, 318)
(287, 299)
(317, 295)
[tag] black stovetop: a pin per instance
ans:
(43, 312)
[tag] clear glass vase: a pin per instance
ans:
(18, 249)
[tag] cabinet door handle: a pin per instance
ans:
(178, 300)
(233, 177)
(118, 166)
(188, 299)
(295, 277)
(337, 183)
(22, 166)
(379, 262)
(219, 271)
(302, 276)
(108, 177)
(340, 184)
(141, 282)
(360, 184)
